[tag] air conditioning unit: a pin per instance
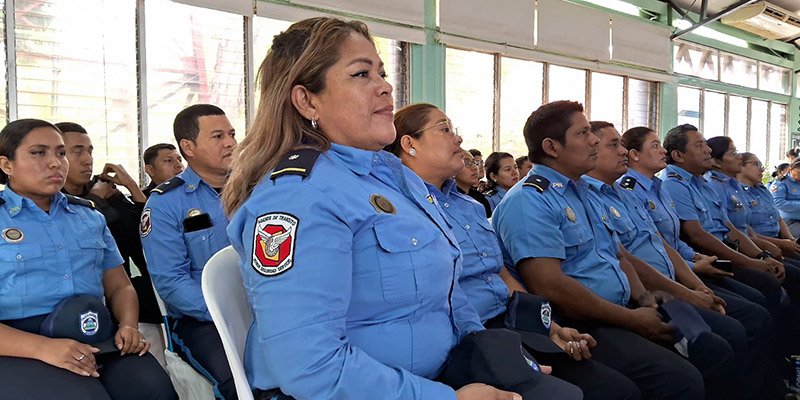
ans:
(766, 20)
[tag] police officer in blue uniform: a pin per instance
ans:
(348, 262)
(705, 224)
(501, 174)
(661, 267)
(55, 247)
(561, 251)
(484, 279)
(181, 227)
(786, 194)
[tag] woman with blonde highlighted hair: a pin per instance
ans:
(349, 266)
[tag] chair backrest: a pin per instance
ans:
(227, 303)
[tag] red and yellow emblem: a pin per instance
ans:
(273, 243)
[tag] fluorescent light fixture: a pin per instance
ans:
(712, 34)
(617, 5)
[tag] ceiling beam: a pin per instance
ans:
(703, 18)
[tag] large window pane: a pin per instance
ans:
(775, 79)
(78, 63)
(194, 55)
(520, 94)
(394, 58)
(607, 91)
(777, 134)
(759, 119)
(737, 121)
(739, 70)
(688, 106)
(642, 104)
(469, 82)
(566, 84)
(264, 30)
(714, 114)
(695, 60)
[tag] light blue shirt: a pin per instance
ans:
(480, 279)
(764, 216)
(367, 304)
(554, 223)
(730, 193)
(58, 255)
(652, 196)
(695, 200)
(496, 197)
(633, 225)
(176, 258)
(786, 196)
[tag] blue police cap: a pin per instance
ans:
(496, 357)
(530, 316)
(84, 319)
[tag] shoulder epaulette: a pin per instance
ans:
(716, 178)
(168, 185)
(490, 192)
(537, 182)
(2, 201)
(782, 178)
(79, 201)
(296, 162)
(675, 175)
(628, 182)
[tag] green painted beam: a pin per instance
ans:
(427, 72)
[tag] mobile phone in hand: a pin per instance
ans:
(725, 265)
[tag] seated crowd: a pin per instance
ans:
(380, 265)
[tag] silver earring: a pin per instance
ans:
(314, 123)
(413, 152)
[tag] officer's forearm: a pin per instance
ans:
(121, 296)
(512, 283)
(652, 279)
(746, 245)
(17, 343)
(706, 243)
(544, 277)
(785, 232)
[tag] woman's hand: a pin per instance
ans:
(70, 355)
(480, 391)
(576, 344)
(129, 340)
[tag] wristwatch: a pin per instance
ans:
(764, 255)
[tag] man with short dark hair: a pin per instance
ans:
(476, 154)
(121, 213)
(182, 226)
(524, 165)
(161, 162)
(562, 251)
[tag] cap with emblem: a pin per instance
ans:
(530, 316)
(84, 319)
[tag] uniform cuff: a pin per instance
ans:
(431, 390)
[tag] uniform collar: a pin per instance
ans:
(357, 160)
(598, 185)
(15, 203)
(558, 182)
(447, 190)
(641, 179)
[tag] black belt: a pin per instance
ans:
(272, 394)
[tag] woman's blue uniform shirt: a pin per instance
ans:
(365, 310)
(654, 198)
(633, 225)
(730, 193)
(61, 254)
(480, 279)
(695, 200)
(495, 198)
(786, 196)
(551, 221)
(176, 258)
(764, 216)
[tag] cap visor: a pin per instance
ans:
(106, 346)
(539, 342)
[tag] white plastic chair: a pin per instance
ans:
(227, 304)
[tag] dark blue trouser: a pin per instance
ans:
(199, 344)
(128, 377)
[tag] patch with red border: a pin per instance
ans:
(273, 243)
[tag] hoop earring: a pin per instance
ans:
(413, 152)
(314, 124)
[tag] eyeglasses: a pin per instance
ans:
(758, 164)
(732, 152)
(472, 163)
(447, 128)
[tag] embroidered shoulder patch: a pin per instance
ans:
(145, 223)
(273, 243)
